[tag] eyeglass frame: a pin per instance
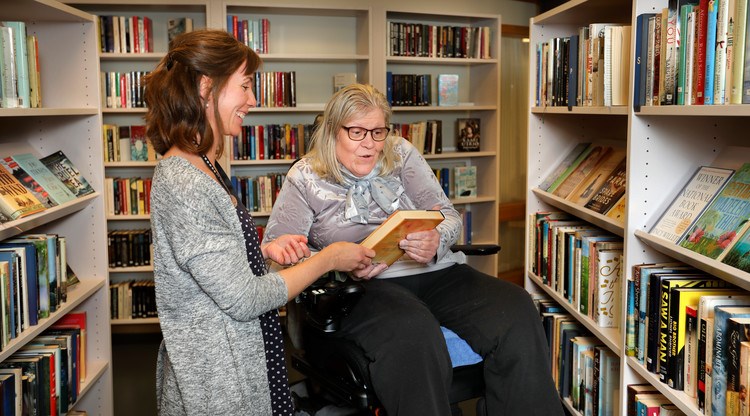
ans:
(349, 134)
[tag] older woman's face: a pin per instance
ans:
(360, 157)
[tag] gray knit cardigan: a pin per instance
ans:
(207, 298)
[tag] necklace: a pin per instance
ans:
(219, 178)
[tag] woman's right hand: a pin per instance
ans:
(346, 257)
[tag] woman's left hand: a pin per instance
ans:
(287, 249)
(421, 246)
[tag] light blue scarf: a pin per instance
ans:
(384, 191)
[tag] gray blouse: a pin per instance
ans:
(312, 206)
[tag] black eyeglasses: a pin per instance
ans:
(358, 134)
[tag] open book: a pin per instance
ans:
(384, 240)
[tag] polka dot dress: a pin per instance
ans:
(281, 399)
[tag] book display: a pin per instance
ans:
(683, 231)
(475, 102)
(71, 229)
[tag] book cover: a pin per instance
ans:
(717, 226)
(744, 377)
(691, 350)
(447, 89)
(469, 133)
(385, 239)
(570, 157)
(342, 79)
(33, 186)
(59, 164)
(16, 201)
(138, 144)
(617, 212)
(612, 190)
(695, 195)
(76, 319)
(21, 62)
(465, 181)
(738, 330)
(178, 26)
(584, 191)
(584, 169)
(50, 182)
(607, 314)
(573, 166)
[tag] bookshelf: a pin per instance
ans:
(160, 12)
(478, 97)
(68, 121)
(665, 145)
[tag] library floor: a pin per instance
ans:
(134, 369)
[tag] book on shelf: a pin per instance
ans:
(632, 391)
(582, 171)
(570, 158)
(138, 144)
(616, 64)
(57, 191)
(465, 181)
(342, 79)
(695, 195)
(595, 177)
(722, 315)
(8, 74)
(20, 60)
(469, 134)
(76, 320)
(13, 402)
(607, 290)
(447, 85)
(738, 330)
(177, 26)
(715, 229)
(62, 167)
(385, 239)
(33, 186)
(738, 255)
(610, 192)
(617, 212)
(585, 158)
(690, 369)
(16, 201)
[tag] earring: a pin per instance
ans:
(206, 105)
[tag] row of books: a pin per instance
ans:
(585, 69)
(420, 90)
(466, 231)
(252, 32)
(29, 185)
(125, 34)
(711, 215)
(275, 89)
(427, 135)
(272, 141)
(458, 181)
(129, 248)
(692, 53)
(20, 76)
(436, 41)
(584, 371)
(123, 89)
(645, 399)
(132, 299)
(127, 143)
(688, 327)
(593, 176)
(44, 377)
(128, 196)
(579, 261)
(258, 193)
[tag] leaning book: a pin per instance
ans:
(385, 239)
(16, 200)
(698, 192)
(59, 164)
(57, 191)
(719, 224)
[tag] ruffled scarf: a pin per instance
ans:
(384, 191)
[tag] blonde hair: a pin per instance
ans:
(348, 103)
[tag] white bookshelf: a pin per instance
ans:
(665, 146)
(69, 121)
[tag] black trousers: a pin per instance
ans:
(397, 323)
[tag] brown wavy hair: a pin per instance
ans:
(176, 113)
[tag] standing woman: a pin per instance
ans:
(223, 347)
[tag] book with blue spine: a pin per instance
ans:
(708, 92)
(720, 362)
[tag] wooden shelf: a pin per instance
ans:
(25, 224)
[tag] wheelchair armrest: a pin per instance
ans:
(327, 301)
(476, 249)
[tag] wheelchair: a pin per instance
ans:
(337, 369)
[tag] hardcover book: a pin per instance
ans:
(16, 200)
(138, 144)
(385, 239)
(582, 172)
(33, 186)
(447, 89)
(611, 192)
(68, 173)
(178, 26)
(584, 191)
(51, 183)
(571, 167)
(468, 134)
(738, 256)
(698, 192)
(563, 165)
(720, 222)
